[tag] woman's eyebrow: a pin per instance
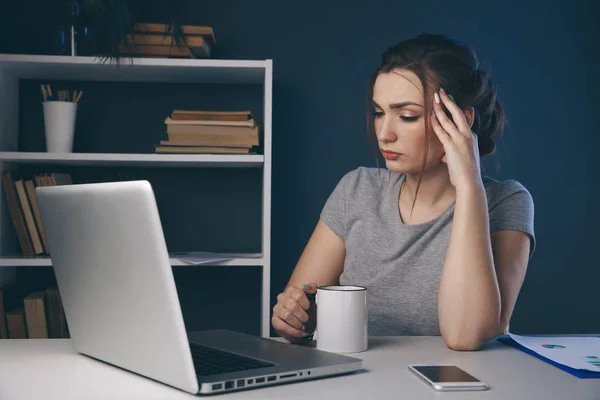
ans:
(399, 105)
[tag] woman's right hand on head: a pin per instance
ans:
(294, 313)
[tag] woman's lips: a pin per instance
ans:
(390, 155)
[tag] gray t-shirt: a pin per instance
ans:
(401, 265)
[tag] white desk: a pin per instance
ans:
(49, 369)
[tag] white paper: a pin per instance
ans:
(203, 257)
(576, 352)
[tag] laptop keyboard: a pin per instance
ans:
(209, 361)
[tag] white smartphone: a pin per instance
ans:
(447, 377)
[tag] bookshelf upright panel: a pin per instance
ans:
(266, 201)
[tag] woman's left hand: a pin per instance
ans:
(460, 143)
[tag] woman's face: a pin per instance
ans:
(398, 104)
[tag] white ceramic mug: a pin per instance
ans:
(342, 319)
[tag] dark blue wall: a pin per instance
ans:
(545, 59)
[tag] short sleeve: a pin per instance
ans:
(511, 208)
(333, 213)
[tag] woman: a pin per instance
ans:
(441, 249)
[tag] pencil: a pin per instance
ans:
(44, 93)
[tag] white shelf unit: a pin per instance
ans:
(14, 67)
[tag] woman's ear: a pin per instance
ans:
(469, 115)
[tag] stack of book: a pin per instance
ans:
(36, 314)
(153, 40)
(216, 132)
(23, 208)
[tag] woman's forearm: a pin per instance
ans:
(469, 303)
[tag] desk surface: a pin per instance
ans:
(50, 369)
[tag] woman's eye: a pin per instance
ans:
(409, 119)
(377, 114)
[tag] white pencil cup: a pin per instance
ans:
(342, 319)
(59, 121)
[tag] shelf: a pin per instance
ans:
(48, 67)
(147, 160)
(47, 262)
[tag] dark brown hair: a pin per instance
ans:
(443, 62)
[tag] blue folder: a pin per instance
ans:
(580, 373)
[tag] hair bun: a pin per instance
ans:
(489, 115)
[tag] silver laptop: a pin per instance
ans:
(116, 283)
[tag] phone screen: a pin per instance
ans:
(445, 373)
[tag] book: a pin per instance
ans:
(30, 188)
(29, 218)
(206, 32)
(57, 323)
(156, 51)
(209, 139)
(201, 149)
(200, 115)
(15, 321)
(249, 123)
(156, 40)
(159, 39)
(17, 215)
(213, 129)
(166, 45)
(36, 315)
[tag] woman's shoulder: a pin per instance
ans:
(510, 207)
(500, 190)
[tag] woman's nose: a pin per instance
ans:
(385, 132)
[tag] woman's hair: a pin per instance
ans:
(443, 62)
